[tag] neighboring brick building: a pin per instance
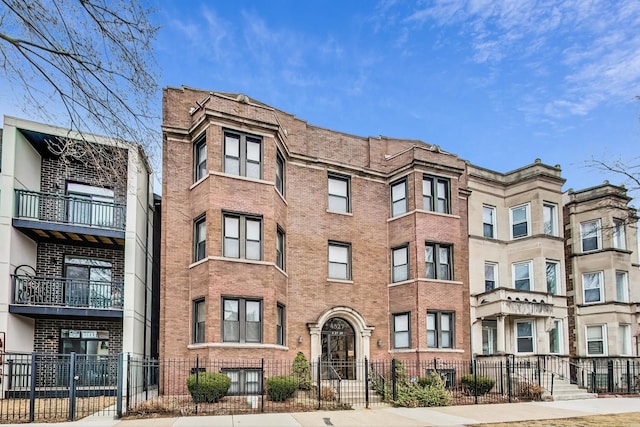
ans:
(75, 263)
(280, 237)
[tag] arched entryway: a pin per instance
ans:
(341, 334)
(338, 349)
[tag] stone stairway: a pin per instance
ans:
(564, 390)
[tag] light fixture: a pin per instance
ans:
(379, 342)
(300, 338)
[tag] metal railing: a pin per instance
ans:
(334, 375)
(66, 292)
(66, 209)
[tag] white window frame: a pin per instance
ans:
(527, 209)
(622, 287)
(491, 212)
(401, 332)
(396, 199)
(335, 258)
(619, 235)
(529, 265)
(556, 269)
(603, 329)
(494, 267)
(532, 337)
(550, 218)
(396, 264)
(600, 287)
(587, 234)
(624, 339)
(345, 198)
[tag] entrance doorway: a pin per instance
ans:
(338, 349)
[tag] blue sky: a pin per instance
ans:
(500, 83)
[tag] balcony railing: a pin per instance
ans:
(65, 292)
(517, 302)
(65, 209)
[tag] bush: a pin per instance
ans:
(281, 388)
(211, 387)
(484, 385)
(302, 371)
(428, 391)
(327, 394)
(531, 391)
(433, 380)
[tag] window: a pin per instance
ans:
(550, 216)
(624, 339)
(489, 336)
(440, 329)
(435, 194)
(524, 337)
(280, 334)
(338, 189)
(339, 260)
(280, 248)
(592, 284)
(242, 320)
(242, 155)
(400, 260)
(490, 276)
(438, 261)
(522, 276)
(590, 235)
(622, 286)
(242, 237)
(489, 222)
(199, 238)
(399, 198)
(520, 221)
(596, 340)
(88, 284)
(93, 206)
(279, 172)
(200, 159)
(199, 315)
(619, 238)
(244, 381)
(555, 338)
(401, 336)
(553, 278)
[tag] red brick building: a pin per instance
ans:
(279, 236)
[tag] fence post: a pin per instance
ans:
(475, 381)
(610, 376)
(593, 377)
(394, 385)
(501, 379)
(262, 382)
(72, 386)
(319, 380)
(119, 385)
(628, 377)
(197, 385)
(32, 388)
(366, 382)
(539, 372)
(128, 381)
(508, 380)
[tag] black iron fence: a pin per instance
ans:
(69, 209)
(56, 387)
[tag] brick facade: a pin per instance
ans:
(47, 335)
(368, 299)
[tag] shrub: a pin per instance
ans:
(281, 388)
(211, 387)
(484, 385)
(531, 391)
(433, 380)
(428, 391)
(302, 371)
(327, 394)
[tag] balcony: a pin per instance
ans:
(69, 219)
(63, 297)
(512, 302)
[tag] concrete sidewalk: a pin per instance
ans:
(444, 416)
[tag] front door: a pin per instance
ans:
(338, 349)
